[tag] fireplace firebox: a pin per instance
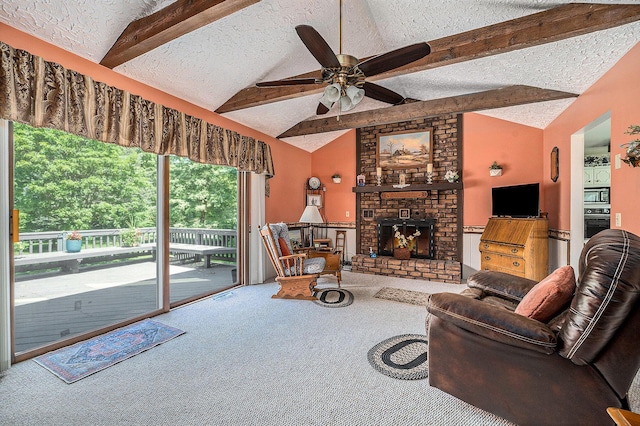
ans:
(421, 247)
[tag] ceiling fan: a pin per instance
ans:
(345, 76)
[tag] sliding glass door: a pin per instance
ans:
(203, 233)
(106, 237)
(86, 253)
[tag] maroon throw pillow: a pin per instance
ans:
(546, 298)
(284, 248)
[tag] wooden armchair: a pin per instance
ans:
(296, 274)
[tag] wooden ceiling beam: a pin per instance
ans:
(497, 98)
(167, 24)
(548, 26)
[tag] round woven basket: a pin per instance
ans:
(402, 253)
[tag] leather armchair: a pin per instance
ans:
(564, 372)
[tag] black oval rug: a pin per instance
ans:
(401, 357)
(334, 298)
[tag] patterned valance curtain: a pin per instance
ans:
(45, 94)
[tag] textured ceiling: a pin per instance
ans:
(211, 64)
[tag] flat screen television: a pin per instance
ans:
(516, 200)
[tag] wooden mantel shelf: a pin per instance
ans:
(414, 187)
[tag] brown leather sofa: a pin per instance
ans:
(565, 372)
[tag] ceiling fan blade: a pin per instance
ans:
(317, 46)
(394, 59)
(322, 109)
(289, 82)
(382, 94)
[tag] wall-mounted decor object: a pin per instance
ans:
(402, 150)
(314, 194)
(336, 178)
(314, 182)
(314, 200)
(405, 214)
(367, 214)
(360, 180)
(555, 164)
(495, 169)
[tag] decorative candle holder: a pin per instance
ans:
(379, 179)
(429, 177)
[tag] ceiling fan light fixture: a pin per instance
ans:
(326, 102)
(332, 93)
(346, 104)
(355, 94)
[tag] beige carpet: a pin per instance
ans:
(405, 296)
(247, 359)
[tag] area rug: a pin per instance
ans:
(404, 296)
(78, 361)
(333, 298)
(401, 357)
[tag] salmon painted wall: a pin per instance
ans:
(616, 91)
(288, 197)
(517, 148)
(339, 157)
(291, 164)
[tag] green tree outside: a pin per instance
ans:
(65, 182)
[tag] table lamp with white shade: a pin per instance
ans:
(311, 215)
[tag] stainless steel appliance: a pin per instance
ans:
(596, 195)
(596, 219)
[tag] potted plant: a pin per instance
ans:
(495, 169)
(633, 148)
(336, 178)
(73, 243)
(451, 176)
(130, 237)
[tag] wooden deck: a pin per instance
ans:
(70, 262)
(201, 250)
(49, 309)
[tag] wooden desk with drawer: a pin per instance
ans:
(516, 246)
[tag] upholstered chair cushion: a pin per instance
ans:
(313, 265)
(280, 230)
(547, 298)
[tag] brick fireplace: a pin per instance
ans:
(439, 204)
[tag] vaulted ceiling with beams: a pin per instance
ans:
(517, 60)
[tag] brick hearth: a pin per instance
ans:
(448, 271)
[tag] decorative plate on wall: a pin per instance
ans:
(314, 183)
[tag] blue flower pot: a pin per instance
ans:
(73, 246)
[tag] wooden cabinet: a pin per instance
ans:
(516, 246)
(597, 176)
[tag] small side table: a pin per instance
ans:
(332, 265)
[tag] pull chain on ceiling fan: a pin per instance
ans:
(345, 76)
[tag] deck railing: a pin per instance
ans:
(51, 241)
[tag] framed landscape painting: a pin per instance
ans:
(403, 150)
